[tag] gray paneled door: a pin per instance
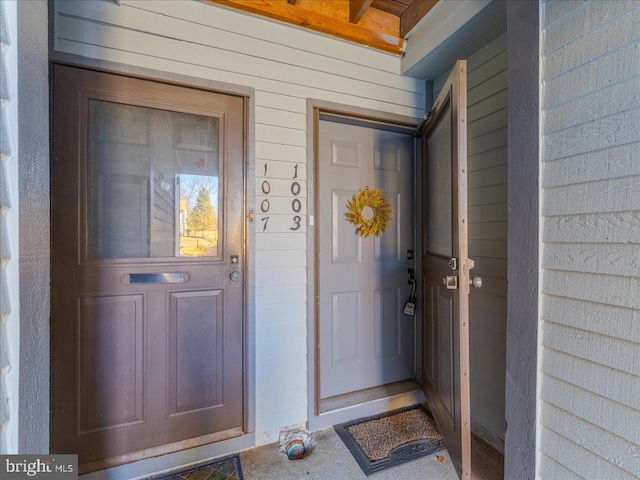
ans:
(446, 268)
(147, 266)
(365, 340)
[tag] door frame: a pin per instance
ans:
(180, 453)
(383, 399)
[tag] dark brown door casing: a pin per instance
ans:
(147, 230)
(446, 268)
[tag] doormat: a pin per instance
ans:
(392, 438)
(225, 469)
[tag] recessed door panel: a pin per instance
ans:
(345, 325)
(344, 244)
(147, 211)
(387, 247)
(196, 348)
(387, 157)
(110, 353)
(445, 350)
(387, 331)
(346, 153)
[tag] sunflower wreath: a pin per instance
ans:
(382, 212)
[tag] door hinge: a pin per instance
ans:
(250, 215)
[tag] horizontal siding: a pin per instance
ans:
(616, 259)
(552, 470)
(590, 386)
(612, 163)
(618, 452)
(621, 387)
(9, 236)
(618, 227)
(286, 66)
(618, 98)
(589, 18)
(611, 69)
(607, 319)
(487, 196)
(295, 72)
(589, 45)
(601, 289)
(615, 353)
(579, 460)
(555, 11)
(491, 158)
(589, 407)
(597, 134)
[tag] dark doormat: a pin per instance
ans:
(226, 469)
(392, 438)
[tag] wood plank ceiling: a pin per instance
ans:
(381, 24)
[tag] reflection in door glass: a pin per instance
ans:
(440, 231)
(152, 182)
(198, 215)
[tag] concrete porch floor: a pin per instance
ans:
(331, 460)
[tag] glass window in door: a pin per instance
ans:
(153, 183)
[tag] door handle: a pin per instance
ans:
(235, 274)
(476, 282)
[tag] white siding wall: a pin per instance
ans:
(9, 278)
(286, 66)
(487, 163)
(590, 380)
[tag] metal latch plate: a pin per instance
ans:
(451, 282)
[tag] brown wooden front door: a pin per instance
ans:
(147, 266)
(446, 268)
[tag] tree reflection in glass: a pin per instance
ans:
(198, 215)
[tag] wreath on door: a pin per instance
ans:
(370, 211)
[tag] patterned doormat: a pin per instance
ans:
(225, 469)
(392, 438)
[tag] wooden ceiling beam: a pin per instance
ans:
(394, 7)
(357, 9)
(282, 11)
(414, 13)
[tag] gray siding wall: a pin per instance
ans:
(33, 229)
(286, 66)
(487, 163)
(590, 385)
